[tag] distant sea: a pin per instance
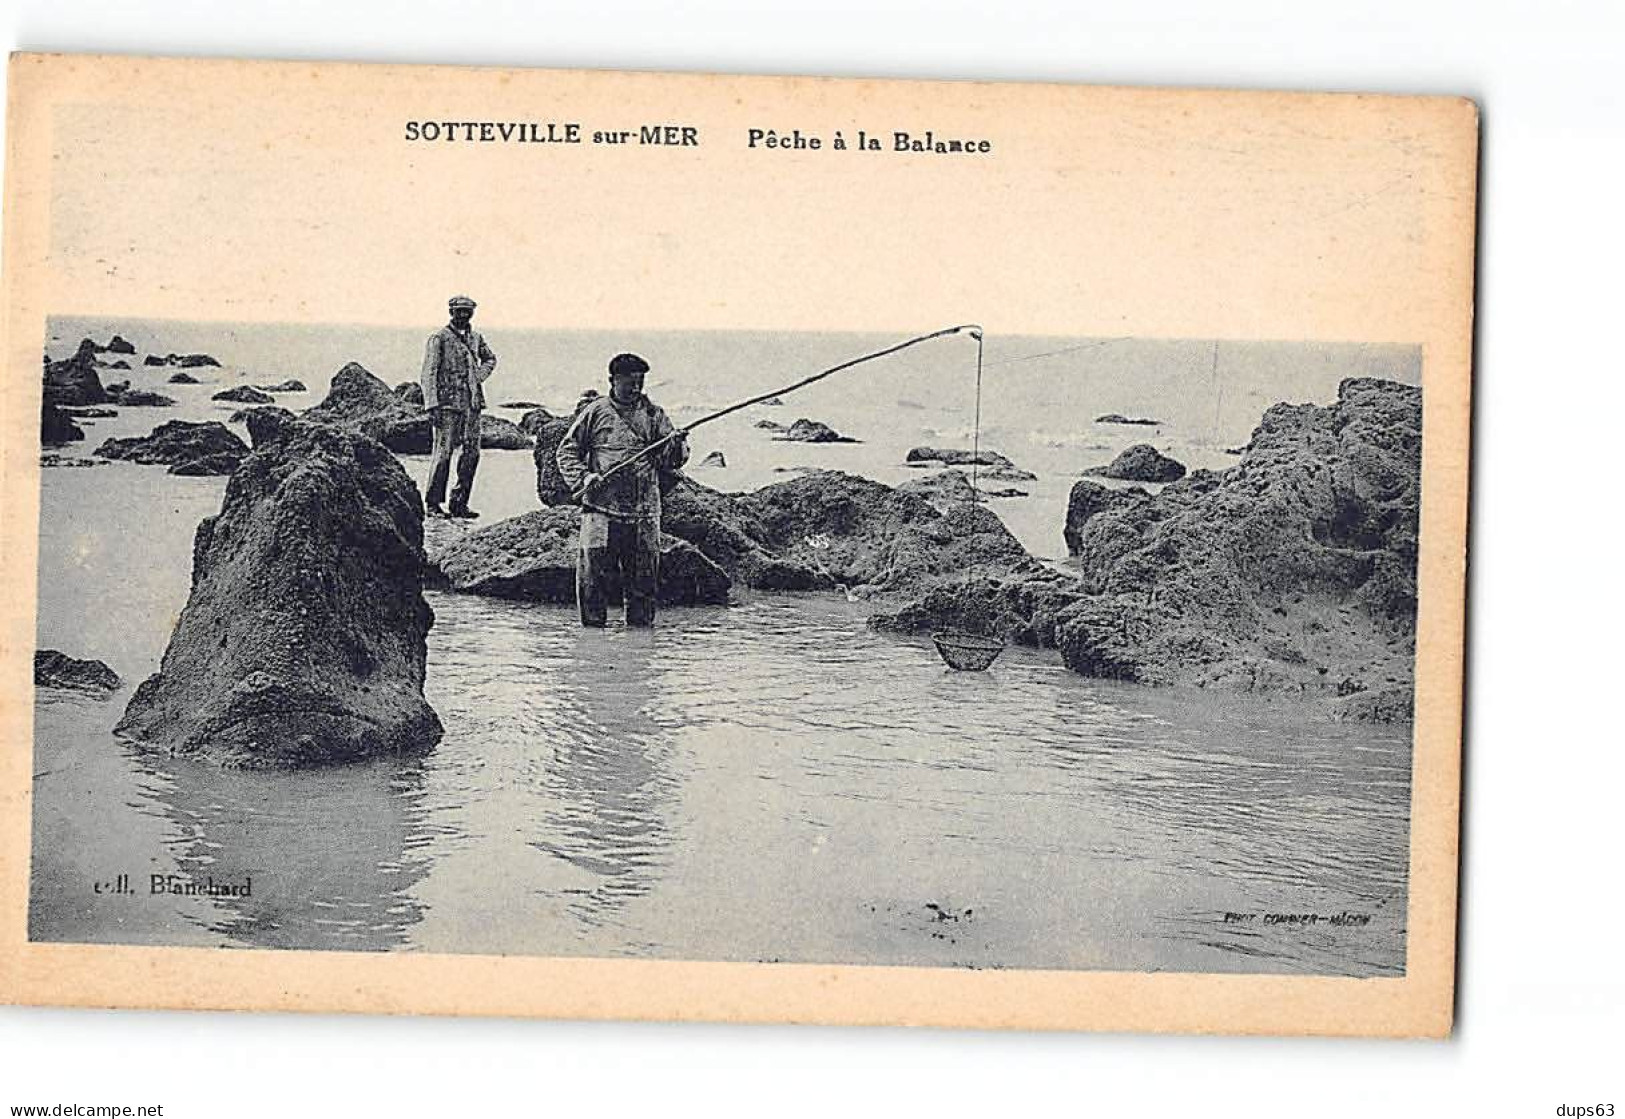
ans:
(1039, 402)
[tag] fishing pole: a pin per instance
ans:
(974, 330)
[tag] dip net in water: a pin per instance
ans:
(967, 652)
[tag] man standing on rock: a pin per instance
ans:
(620, 516)
(455, 365)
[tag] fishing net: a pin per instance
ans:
(967, 652)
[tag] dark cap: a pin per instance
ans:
(627, 363)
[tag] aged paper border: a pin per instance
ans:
(1424, 216)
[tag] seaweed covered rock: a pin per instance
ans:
(828, 528)
(58, 670)
(244, 394)
(1293, 571)
(1141, 463)
(361, 402)
(265, 422)
(75, 380)
(126, 397)
(182, 446)
(927, 456)
(532, 558)
(303, 639)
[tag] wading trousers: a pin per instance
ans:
(617, 555)
(454, 430)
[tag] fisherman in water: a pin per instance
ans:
(456, 363)
(620, 515)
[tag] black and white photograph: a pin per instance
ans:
(992, 548)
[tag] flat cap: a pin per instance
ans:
(457, 301)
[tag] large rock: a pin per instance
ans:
(295, 385)
(58, 670)
(182, 446)
(1089, 498)
(832, 528)
(244, 394)
(1293, 571)
(265, 422)
(1141, 463)
(119, 345)
(75, 381)
(56, 427)
(303, 640)
(532, 558)
(361, 402)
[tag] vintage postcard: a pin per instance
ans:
(755, 549)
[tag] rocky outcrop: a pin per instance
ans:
(811, 431)
(75, 381)
(119, 345)
(244, 394)
(361, 402)
(303, 640)
(265, 422)
(1292, 571)
(58, 670)
(56, 427)
(831, 528)
(126, 397)
(184, 361)
(1089, 498)
(925, 456)
(1115, 418)
(1141, 463)
(183, 379)
(186, 448)
(293, 385)
(532, 558)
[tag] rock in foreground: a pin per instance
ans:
(1293, 571)
(303, 640)
(191, 448)
(58, 670)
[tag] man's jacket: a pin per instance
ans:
(605, 434)
(455, 368)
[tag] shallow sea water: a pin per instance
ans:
(766, 781)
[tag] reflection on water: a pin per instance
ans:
(769, 781)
